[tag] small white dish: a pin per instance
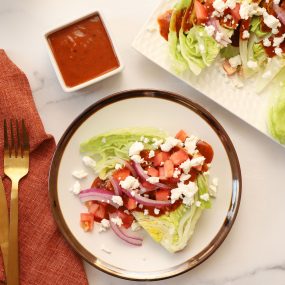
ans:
(56, 66)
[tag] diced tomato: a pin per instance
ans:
(181, 135)
(87, 221)
(93, 208)
(127, 219)
(162, 194)
(88, 204)
(235, 12)
(168, 168)
(100, 213)
(148, 185)
(160, 157)
(201, 12)
(206, 150)
(121, 174)
(205, 167)
(131, 203)
(161, 173)
(179, 156)
(194, 174)
(97, 183)
(151, 171)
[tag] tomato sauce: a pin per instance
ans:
(83, 51)
(164, 22)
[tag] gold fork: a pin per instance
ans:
(16, 166)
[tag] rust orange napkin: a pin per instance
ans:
(45, 257)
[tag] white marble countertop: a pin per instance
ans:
(254, 251)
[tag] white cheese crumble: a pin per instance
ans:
(169, 144)
(252, 64)
(198, 204)
(275, 31)
(140, 206)
(156, 143)
(190, 144)
(117, 221)
(118, 200)
(276, 2)
(89, 162)
(184, 177)
(196, 161)
(146, 140)
(76, 188)
(235, 61)
(231, 4)
(176, 173)
(270, 21)
(185, 166)
(130, 183)
(184, 191)
(145, 212)
(135, 226)
(79, 174)
(205, 197)
(245, 34)
(215, 181)
(219, 6)
(266, 42)
(210, 30)
(278, 40)
(153, 180)
(213, 190)
(219, 36)
(118, 166)
(136, 148)
(104, 225)
(156, 211)
(151, 154)
(278, 51)
(137, 158)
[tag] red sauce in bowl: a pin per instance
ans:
(83, 50)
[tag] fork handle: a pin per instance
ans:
(13, 256)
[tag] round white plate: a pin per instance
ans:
(151, 108)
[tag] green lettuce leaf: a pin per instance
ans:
(229, 51)
(108, 148)
(174, 230)
(255, 27)
(259, 54)
(198, 48)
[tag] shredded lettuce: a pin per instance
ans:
(173, 230)
(255, 27)
(107, 148)
(259, 54)
(198, 48)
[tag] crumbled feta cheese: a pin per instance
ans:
(79, 174)
(118, 200)
(231, 4)
(244, 10)
(276, 2)
(103, 140)
(185, 166)
(117, 221)
(137, 158)
(210, 30)
(103, 248)
(278, 40)
(278, 51)
(140, 206)
(196, 161)
(136, 148)
(274, 31)
(198, 204)
(213, 190)
(219, 6)
(153, 180)
(118, 166)
(76, 188)
(266, 42)
(146, 140)
(245, 34)
(270, 21)
(105, 224)
(156, 143)
(156, 211)
(89, 162)
(135, 226)
(219, 36)
(215, 181)
(151, 154)
(130, 183)
(145, 212)
(170, 143)
(205, 197)
(184, 177)
(235, 61)
(142, 138)
(190, 144)
(252, 64)
(176, 173)
(184, 191)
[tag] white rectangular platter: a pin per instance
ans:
(236, 96)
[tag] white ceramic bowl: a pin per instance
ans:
(56, 67)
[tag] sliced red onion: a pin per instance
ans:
(146, 201)
(140, 171)
(116, 186)
(122, 233)
(225, 40)
(97, 194)
(280, 13)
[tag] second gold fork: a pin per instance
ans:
(16, 166)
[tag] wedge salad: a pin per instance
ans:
(145, 178)
(247, 36)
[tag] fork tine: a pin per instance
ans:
(26, 143)
(6, 140)
(13, 146)
(18, 147)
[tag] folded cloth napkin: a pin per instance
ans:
(45, 257)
